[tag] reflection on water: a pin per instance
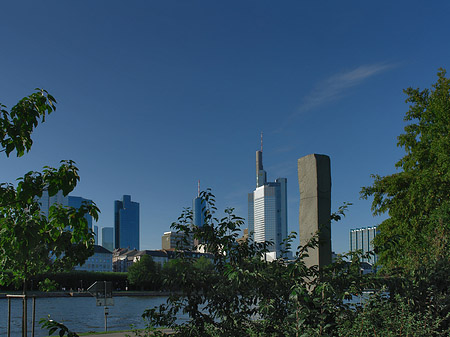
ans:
(79, 314)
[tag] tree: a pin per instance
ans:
(417, 198)
(144, 273)
(241, 294)
(31, 243)
(17, 126)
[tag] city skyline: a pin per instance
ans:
(153, 96)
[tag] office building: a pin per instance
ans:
(69, 201)
(267, 210)
(108, 238)
(198, 211)
(126, 223)
(176, 240)
(361, 240)
(101, 261)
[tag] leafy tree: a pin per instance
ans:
(417, 198)
(145, 273)
(241, 294)
(31, 243)
(16, 126)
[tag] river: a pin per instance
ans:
(79, 314)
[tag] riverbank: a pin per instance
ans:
(120, 334)
(40, 294)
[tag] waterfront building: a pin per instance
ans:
(175, 240)
(122, 259)
(126, 223)
(101, 261)
(108, 238)
(267, 210)
(361, 240)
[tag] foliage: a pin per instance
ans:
(397, 316)
(48, 285)
(417, 198)
(53, 326)
(16, 126)
(145, 273)
(31, 243)
(241, 294)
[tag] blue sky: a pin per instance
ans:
(155, 95)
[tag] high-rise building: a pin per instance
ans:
(70, 201)
(361, 239)
(108, 238)
(198, 212)
(76, 202)
(126, 223)
(267, 209)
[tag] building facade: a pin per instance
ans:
(198, 214)
(126, 223)
(361, 240)
(267, 210)
(108, 238)
(68, 201)
(101, 261)
(175, 240)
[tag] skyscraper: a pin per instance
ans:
(267, 209)
(108, 238)
(198, 206)
(70, 201)
(126, 223)
(76, 202)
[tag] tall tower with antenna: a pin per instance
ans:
(267, 209)
(261, 175)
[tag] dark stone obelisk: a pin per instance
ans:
(314, 180)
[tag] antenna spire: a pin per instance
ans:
(261, 141)
(198, 188)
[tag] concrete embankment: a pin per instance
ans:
(123, 334)
(86, 294)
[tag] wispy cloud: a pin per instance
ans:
(336, 86)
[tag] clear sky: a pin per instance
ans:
(155, 95)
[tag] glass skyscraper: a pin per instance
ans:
(126, 223)
(198, 211)
(46, 202)
(108, 238)
(267, 209)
